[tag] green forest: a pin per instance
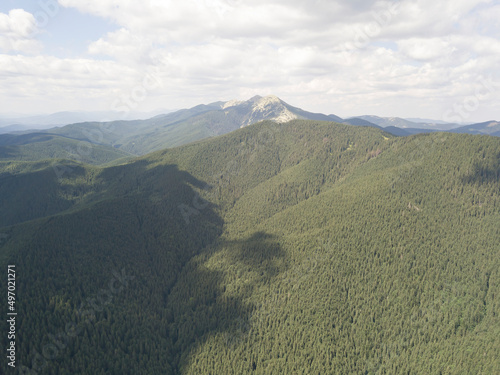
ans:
(308, 247)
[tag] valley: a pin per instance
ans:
(299, 247)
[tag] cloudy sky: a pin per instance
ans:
(418, 58)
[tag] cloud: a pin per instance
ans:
(324, 55)
(425, 49)
(17, 30)
(123, 45)
(42, 81)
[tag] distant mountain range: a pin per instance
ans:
(258, 108)
(14, 123)
(489, 128)
(405, 123)
(99, 142)
(139, 137)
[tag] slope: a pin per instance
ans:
(303, 247)
(405, 123)
(488, 127)
(40, 146)
(388, 271)
(140, 137)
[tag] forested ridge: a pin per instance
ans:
(43, 146)
(300, 248)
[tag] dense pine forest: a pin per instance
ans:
(307, 247)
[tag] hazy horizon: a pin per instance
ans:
(137, 115)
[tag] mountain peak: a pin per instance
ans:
(255, 98)
(231, 103)
(269, 99)
(269, 107)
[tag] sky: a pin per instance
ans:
(419, 58)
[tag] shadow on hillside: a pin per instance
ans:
(135, 226)
(211, 297)
(483, 173)
(139, 177)
(33, 195)
(65, 184)
(259, 253)
(172, 300)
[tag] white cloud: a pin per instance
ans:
(426, 49)
(124, 46)
(17, 29)
(385, 57)
(41, 81)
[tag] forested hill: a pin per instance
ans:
(297, 248)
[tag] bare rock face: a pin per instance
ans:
(261, 108)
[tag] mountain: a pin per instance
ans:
(20, 128)
(279, 248)
(488, 128)
(428, 121)
(181, 127)
(22, 123)
(359, 122)
(269, 108)
(398, 131)
(106, 142)
(335, 118)
(40, 146)
(394, 130)
(404, 123)
(388, 121)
